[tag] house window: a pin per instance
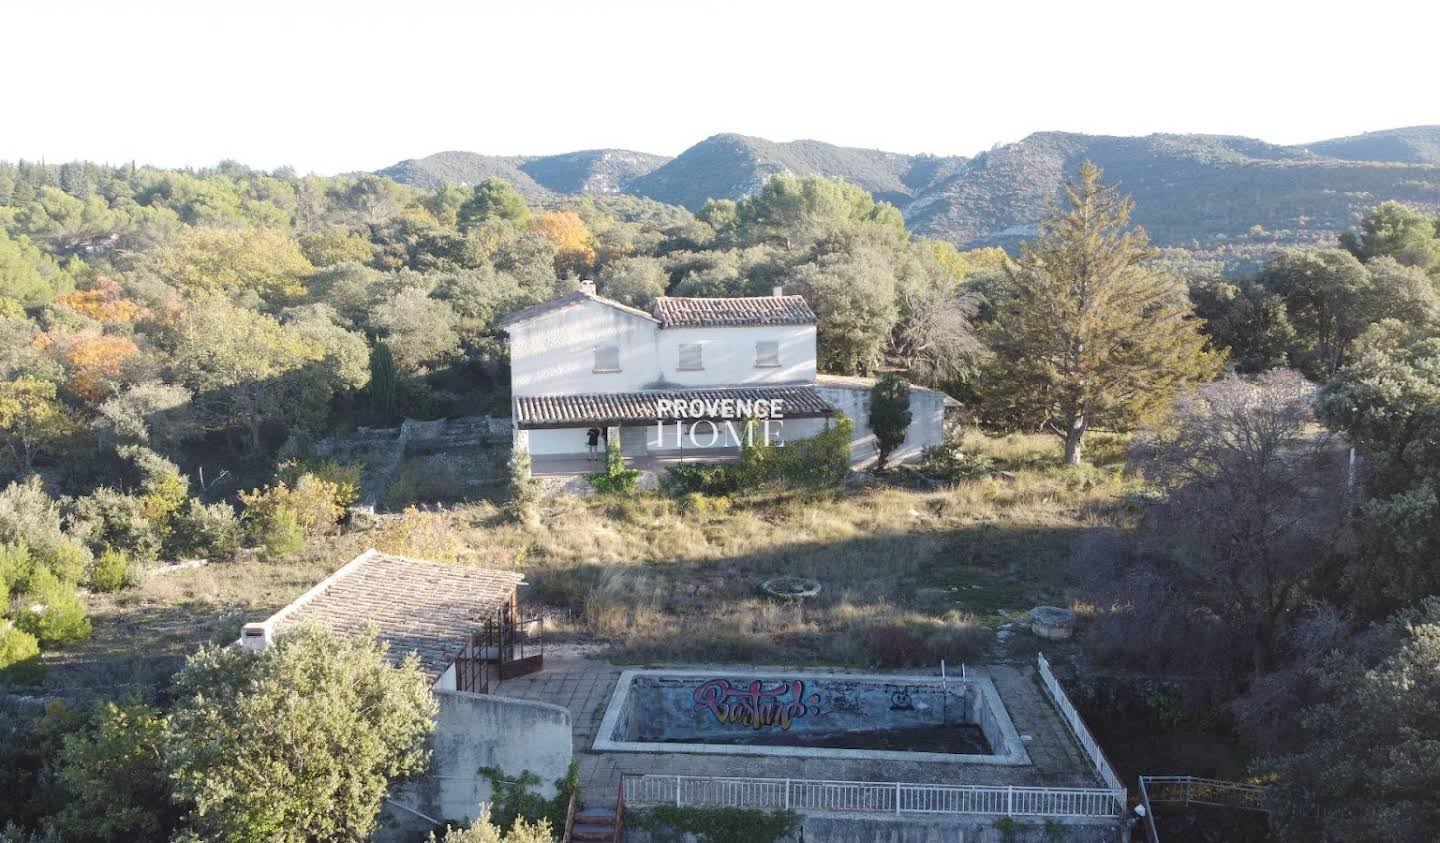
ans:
(690, 358)
(607, 358)
(767, 354)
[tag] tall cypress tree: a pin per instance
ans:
(382, 380)
(1087, 330)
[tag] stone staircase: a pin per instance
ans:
(595, 824)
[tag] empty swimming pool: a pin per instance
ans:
(835, 715)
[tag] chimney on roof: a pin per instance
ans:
(587, 286)
(255, 636)
(778, 291)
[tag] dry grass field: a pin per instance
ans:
(659, 582)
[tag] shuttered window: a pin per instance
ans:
(690, 357)
(767, 354)
(607, 358)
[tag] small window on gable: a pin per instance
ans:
(690, 359)
(607, 358)
(767, 354)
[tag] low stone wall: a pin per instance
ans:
(483, 730)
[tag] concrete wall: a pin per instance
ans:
(651, 710)
(483, 730)
(567, 440)
(927, 422)
(554, 354)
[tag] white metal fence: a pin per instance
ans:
(1077, 727)
(868, 797)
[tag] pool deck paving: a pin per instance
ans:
(576, 678)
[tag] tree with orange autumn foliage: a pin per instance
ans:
(574, 243)
(98, 364)
(105, 302)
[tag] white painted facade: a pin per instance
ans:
(591, 346)
(555, 353)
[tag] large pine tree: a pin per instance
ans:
(1088, 331)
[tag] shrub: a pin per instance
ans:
(209, 530)
(112, 778)
(51, 611)
(352, 721)
(283, 533)
(344, 476)
(109, 571)
(29, 515)
(893, 646)
(16, 567)
(821, 461)
(950, 462)
(522, 505)
(889, 416)
(616, 479)
(705, 505)
(713, 479)
(19, 655)
(311, 502)
(111, 518)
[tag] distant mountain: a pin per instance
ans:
(1195, 191)
(535, 177)
(1207, 193)
(1411, 145)
(732, 166)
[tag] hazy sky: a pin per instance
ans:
(338, 86)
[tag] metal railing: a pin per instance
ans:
(1077, 728)
(867, 797)
(1200, 791)
(1193, 790)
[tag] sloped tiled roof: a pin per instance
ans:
(561, 302)
(427, 608)
(679, 312)
(540, 411)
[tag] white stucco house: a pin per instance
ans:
(581, 362)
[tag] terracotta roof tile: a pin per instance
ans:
(540, 411)
(428, 608)
(675, 312)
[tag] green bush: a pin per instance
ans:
(616, 479)
(705, 505)
(209, 530)
(111, 518)
(712, 479)
(19, 655)
(344, 476)
(283, 534)
(16, 567)
(820, 462)
(951, 463)
(523, 502)
(110, 571)
(29, 515)
(51, 611)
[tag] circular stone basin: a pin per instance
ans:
(1052, 622)
(791, 588)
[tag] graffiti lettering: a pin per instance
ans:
(900, 699)
(844, 703)
(755, 705)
